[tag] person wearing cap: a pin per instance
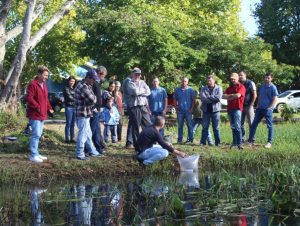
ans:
(85, 100)
(38, 107)
(137, 102)
(185, 101)
(95, 118)
(158, 102)
(211, 95)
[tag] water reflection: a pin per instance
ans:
(37, 216)
(146, 201)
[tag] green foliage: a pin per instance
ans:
(58, 50)
(279, 25)
(10, 122)
(287, 112)
(191, 38)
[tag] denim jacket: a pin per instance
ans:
(211, 96)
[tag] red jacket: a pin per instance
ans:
(239, 102)
(38, 104)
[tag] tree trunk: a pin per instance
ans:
(4, 9)
(8, 95)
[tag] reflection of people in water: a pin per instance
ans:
(81, 209)
(38, 218)
(111, 206)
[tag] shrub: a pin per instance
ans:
(287, 113)
(10, 121)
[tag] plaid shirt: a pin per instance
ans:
(85, 100)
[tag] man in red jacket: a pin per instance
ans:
(235, 95)
(38, 107)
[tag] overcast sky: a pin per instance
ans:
(246, 16)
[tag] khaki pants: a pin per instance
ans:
(248, 111)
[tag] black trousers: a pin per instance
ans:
(119, 128)
(139, 117)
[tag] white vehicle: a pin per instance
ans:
(290, 98)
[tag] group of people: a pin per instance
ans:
(88, 103)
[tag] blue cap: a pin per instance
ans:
(92, 74)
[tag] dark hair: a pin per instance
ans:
(243, 71)
(269, 74)
(159, 121)
(210, 77)
(111, 82)
(72, 77)
(41, 69)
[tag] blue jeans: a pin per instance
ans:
(96, 130)
(187, 116)
(153, 117)
(153, 154)
(84, 138)
(113, 132)
(70, 123)
(235, 124)
(259, 114)
(196, 122)
(37, 131)
(215, 120)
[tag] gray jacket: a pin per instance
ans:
(137, 93)
(211, 96)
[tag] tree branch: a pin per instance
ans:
(50, 24)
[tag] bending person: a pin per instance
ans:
(147, 152)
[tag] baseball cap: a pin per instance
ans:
(136, 70)
(92, 74)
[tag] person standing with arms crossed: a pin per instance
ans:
(235, 95)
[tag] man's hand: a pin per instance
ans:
(51, 111)
(180, 153)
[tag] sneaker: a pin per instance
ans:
(268, 145)
(129, 146)
(36, 159)
(96, 155)
(240, 147)
(82, 158)
(188, 142)
(43, 157)
(72, 141)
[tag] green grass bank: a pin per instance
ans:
(15, 166)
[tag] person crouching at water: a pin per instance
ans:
(147, 151)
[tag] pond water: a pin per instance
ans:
(185, 199)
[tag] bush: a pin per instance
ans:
(287, 113)
(10, 121)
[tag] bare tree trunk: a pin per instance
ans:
(26, 45)
(4, 9)
(9, 92)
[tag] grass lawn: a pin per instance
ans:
(118, 161)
